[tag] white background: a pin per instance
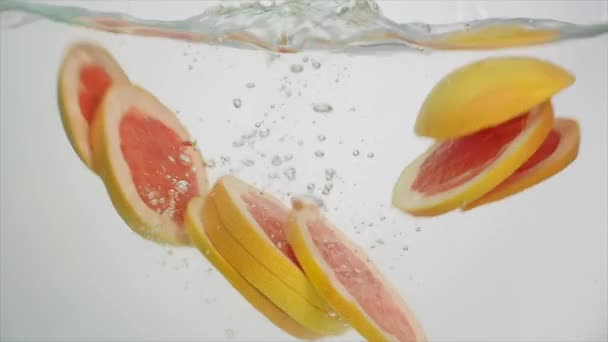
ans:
(530, 268)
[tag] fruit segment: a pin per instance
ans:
(559, 149)
(348, 280)
(148, 163)
(270, 284)
(257, 221)
(457, 171)
(200, 214)
(85, 75)
(487, 93)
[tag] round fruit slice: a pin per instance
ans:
(86, 73)
(348, 280)
(148, 163)
(257, 220)
(559, 149)
(487, 93)
(201, 213)
(454, 172)
(268, 283)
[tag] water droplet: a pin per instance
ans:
(264, 133)
(355, 153)
(305, 59)
(418, 229)
(250, 85)
(322, 108)
(290, 173)
(296, 68)
(316, 64)
(248, 162)
(237, 103)
(319, 153)
(211, 163)
(182, 186)
(310, 187)
(321, 137)
(276, 160)
(258, 124)
(370, 155)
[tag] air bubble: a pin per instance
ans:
(264, 133)
(370, 155)
(300, 142)
(355, 153)
(288, 157)
(171, 159)
(321, 137)
(382, 218)
(310, 187)
(329, 174)
(238, 143)
(237, 103)
(210, 164)
(296, 68)
(322, 108)
(319, 153)
(154, 202)
(418, 229)
(290, 173)
(327, 189)
(305, 59)
(276, 160)
(248, 162)
(250, 85)
(229, 333)
(316, 64)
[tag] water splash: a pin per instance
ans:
(296, 25)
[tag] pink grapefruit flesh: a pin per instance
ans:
(348, 279)
(86, 73)
(148, 162)
(559, 149)
(272, 218)
(457, 171)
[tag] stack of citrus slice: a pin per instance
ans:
(294, 267)
(138, 147)
(496, 136)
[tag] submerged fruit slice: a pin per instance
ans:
(201, 213)
(148, 163)
(349, 281)
(257, 220)
(559, 149)
(266, 281)
(487, 93)
(454, 172)
(86, 73)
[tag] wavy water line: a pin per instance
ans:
(296, 25)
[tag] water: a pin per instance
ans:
(66, 256)
(296, 25)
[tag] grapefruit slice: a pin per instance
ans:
(85, 75)
(148, 163)
(559, 149)
(454, 172)
(299, 307)
(257, 221)
(348, 280)
(201, 213)
(487, 93)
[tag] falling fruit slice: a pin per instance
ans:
(457, 171)
(148, 163)
(257, 220)
(86, 73)
(348, 280)
(559, 149)
(267, 282)
(201, 213)
(487, 93)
